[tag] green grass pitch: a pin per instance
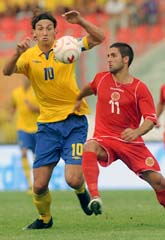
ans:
(126, 215)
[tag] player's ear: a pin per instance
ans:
(55, 32)
(126, 59)
(34, 37)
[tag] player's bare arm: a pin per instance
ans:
(96, 35)
(159, 110)
(130, 134)
(86, 91)
(10, 66)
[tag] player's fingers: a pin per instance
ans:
(25, 43)
(72, 12)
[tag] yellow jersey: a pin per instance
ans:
(54, 83)
(26, 120)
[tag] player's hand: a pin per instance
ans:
(23, 46)
(77, 106)
(72, 16)
(129, 134)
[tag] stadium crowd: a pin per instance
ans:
(134, 11)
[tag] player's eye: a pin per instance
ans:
(39, 29)
(49, 29)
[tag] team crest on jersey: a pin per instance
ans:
(36, 61)
(149, 161)
(115, 96)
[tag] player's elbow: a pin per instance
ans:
(9, 69)
(7, 72)
(100, 38)
(151, 124)
(96, 40)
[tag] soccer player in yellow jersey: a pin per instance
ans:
(61, 132)
(24, 104)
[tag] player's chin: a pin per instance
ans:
(110, 69)
(113, 71)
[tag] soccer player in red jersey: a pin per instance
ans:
(122, 101)
(160, 107)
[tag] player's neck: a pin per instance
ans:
(123, 78)
(44, 48)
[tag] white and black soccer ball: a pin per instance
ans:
(67, 49)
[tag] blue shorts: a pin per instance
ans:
(26, 140)
(63, 139)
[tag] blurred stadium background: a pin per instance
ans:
(140, 23)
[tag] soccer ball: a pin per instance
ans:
(67, 49)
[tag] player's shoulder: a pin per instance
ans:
(163, 87)
(139, 82)
(103, 74)
(100, 77)
(32, 50)
(140, 87)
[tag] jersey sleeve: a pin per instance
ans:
(162, 95)
(95, 82)
(83, 43)
(22, 64)
(146, 103)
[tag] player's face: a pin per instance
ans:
(45, 32)
(115, 60)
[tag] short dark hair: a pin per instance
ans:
(125, 50)
(43, 15)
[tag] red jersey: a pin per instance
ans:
(162, 94)
(120, 106)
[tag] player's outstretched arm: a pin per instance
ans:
(159, 111)
(86, 91)
(10, 66)
(96, 35)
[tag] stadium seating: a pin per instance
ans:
(124, 35)
(140, 39)
(156, 33)
(8, 29)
